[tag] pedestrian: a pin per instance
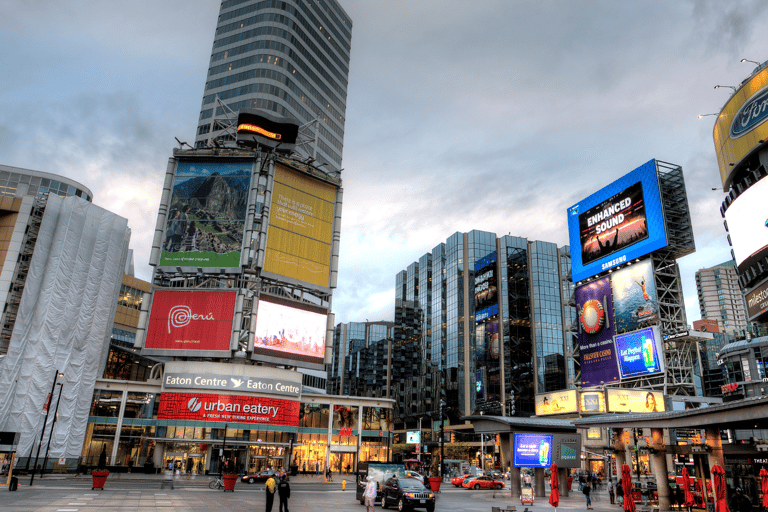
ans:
(740, 502)
(370, 494)
(270, 489)
(611, 492)
(619, 493)
(587, 489)
(304, 468)
(283, 492)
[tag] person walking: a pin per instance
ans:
(270, 489)
(587, 489)
(283, 492)
(740, 502)
(611, 492)
(370, 494)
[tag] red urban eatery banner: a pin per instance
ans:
(191, 320)
(230, 408)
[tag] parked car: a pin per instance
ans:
(261, 476)
(413, 474)
(483, 482)
(458, 480)
(407, 493)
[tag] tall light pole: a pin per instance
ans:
(42, 432)
(53, 426)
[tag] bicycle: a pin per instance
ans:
(218, 483)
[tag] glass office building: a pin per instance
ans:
(288, 57)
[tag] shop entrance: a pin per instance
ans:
(342, 462)
(184, 463)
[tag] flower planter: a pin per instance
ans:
(434, 483)
(99, 477)
(229, 482)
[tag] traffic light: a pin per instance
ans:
(453, 437)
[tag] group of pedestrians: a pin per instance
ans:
(283, 490)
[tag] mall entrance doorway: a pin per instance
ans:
(342, 462)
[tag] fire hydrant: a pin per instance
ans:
(343, 485)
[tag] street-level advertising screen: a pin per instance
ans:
(300, 227)
(190, 320)
(291, 331)
(634, 297)
(229, 408)
(747, 221)
(532, 451)
(616, 224)
(599, 364)
(206, 220)
(640, 352)
(630, 400)
(559, 402)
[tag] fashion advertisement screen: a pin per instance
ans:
(627, 400)
(559, 402)
(286, 331)
(190, 320)
(206, 219)
(634, 297)
(617, 224)
(532, 451)
(747, 220)
(596, 330)
(640, 352)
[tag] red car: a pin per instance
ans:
(458, 480)
(482, 482)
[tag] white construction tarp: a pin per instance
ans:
(64, 323)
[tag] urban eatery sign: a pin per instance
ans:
(229, 408)
(189, 380)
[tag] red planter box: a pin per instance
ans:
(99, 477)
(434, 483)
(229, 482)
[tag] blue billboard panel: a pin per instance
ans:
(617, 224)
(596, 330)
(532, 451)
(640, 352)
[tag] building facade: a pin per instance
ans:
(290, 58)
(720, 298)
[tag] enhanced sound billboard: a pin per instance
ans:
(747, 221)
(617, 224)
(206, 220)
(287, 331)
(300, 228)
(190, 321)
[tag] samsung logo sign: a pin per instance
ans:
(751, 114)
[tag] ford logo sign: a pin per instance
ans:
(751, 114)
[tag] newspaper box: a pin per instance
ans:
(526, 496)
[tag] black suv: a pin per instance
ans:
(407, 493)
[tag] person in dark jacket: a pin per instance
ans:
(740, 502)
(283, 492)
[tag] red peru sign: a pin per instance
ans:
(230, 408)
(190, 320)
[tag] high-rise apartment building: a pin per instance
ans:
(721, 299)
(288, 57)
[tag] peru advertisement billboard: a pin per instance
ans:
(640, 352)
(596, 329)
(617, 224)
(300, 230)
(190, 321)
(287, 331)
(635, 305)
(747, 221)
(228, 408)
(741, 128)
(206, 219)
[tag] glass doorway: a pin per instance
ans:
(342, 462)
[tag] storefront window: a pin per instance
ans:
(98, 437)
(139, 405)
(377, 418)
(136, 446)
(373, 449)
(106, 404)
(345, 417)
(309, 452)
(313, 415)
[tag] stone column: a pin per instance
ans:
(562, 481)
(658, 460)
(514, 482)
(538, 483)
(618, 446)
(715, 444)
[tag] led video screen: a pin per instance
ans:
(559, 402)
(640, 352)
(635, 305)
(627, 400)
(747, 220)
(286, 331)
(616, 224)
(532, 451)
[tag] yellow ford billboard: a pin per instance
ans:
(741, 125)
(300, 227)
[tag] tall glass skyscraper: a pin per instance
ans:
(290, 57)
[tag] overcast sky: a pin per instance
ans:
(461, 115)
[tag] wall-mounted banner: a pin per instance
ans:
(596, 330)
(188, 380)
(532, 451)
(229, 408)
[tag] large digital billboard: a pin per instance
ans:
(190, 321)
(757, 301)
(596, 330)
(486, 293)
(228, 408)
(629, 400)
(741, 128)
(287, 330)
(559, 402)
(300, 228)
(640, 352)
(617, 224)
(532, 451)
(747, 220)
(206, 219)
(635, 305)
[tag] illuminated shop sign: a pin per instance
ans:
(532, 451)
(190, 320)
(230, 382)
(628, 400)
(617, 224)
(639, 352)
(229, 408)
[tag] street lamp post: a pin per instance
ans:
(53, 426)
(223, 447)
(45, 421)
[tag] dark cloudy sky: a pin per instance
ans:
(461, 115)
